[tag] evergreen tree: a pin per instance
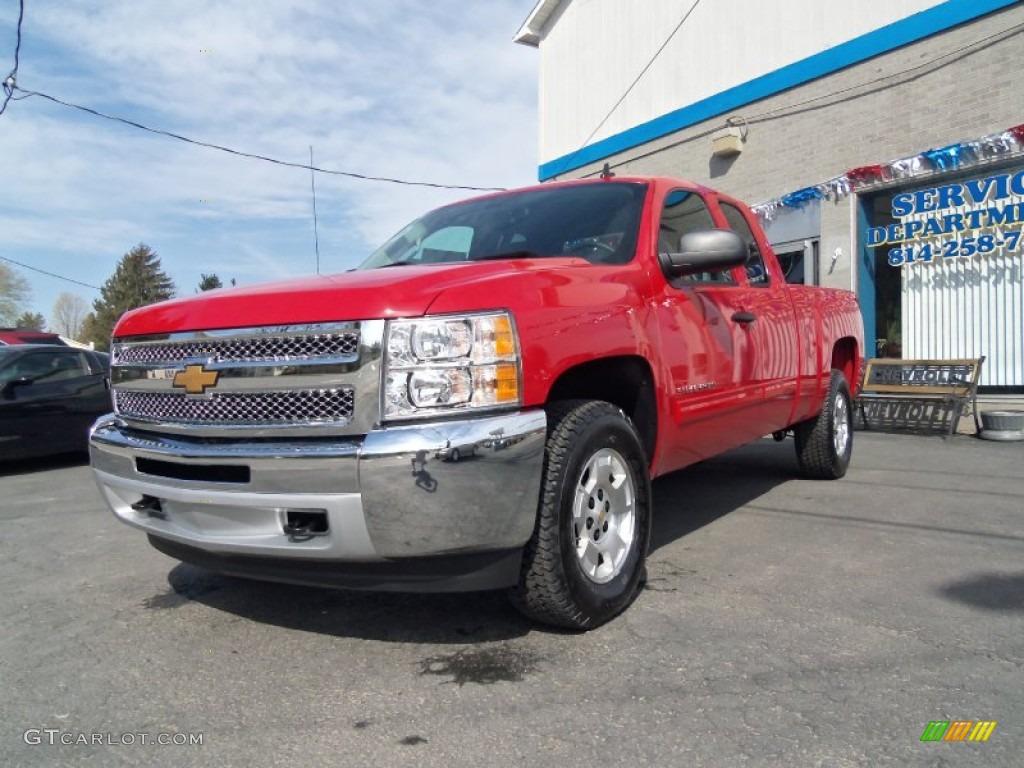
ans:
(138, 280)
(209, 282)
(88, 329)
(32, 321)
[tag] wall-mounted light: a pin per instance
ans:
(729, 141)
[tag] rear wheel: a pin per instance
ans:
(824, 443)
(585, 561)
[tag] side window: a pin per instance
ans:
(98, 362)
(756, 272)
(9, 372)
(35, 366)
(59, 366)
(685, 212)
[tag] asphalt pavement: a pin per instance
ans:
(786, 622)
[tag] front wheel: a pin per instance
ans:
(824, 443)
(585, 560)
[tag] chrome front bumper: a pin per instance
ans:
(418, 491)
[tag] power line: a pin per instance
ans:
(251, 155)
(870, 86)
(51, 274)
(636, 80)
(11, 81)
(791, 109)
(10, 85)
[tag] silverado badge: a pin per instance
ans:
(195, 379)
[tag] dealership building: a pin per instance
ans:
(881, 144)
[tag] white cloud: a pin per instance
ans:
(398, 88)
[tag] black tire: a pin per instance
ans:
(555, 587)
(455, 454)
(824, 443)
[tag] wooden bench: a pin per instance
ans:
(892, 387)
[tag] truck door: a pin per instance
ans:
(766, 318)
(701, 346)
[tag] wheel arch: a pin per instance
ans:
(626, 381)
(846, 359)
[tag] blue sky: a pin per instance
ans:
(424, 91)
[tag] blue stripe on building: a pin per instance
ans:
(909, 30)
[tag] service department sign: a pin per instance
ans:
(962, 220)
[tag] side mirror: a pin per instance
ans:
(706, 250)
(7, 390)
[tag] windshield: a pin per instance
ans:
(597, 222)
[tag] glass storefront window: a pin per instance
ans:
(941, 271)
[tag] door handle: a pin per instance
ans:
(743, 317)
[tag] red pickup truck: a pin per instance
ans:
(483, 403)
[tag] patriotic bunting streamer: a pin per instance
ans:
(801, 196)
(866, 174)
(940, 159)
(945, 159)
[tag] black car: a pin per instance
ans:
(49, 397)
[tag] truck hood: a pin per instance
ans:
(405, 291)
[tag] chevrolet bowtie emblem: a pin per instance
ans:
(195, 379)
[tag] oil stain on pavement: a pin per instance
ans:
(484, 666)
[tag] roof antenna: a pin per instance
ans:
(606, 172)
(312, 183)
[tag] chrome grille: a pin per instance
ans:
(278, 381)
(240, 408)
(241, 350)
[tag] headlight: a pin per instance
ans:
(439, 364)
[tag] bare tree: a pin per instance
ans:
(14, 293)
(69, 312)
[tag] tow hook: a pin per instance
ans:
(779, 436)
(150, 505)
(303, 525)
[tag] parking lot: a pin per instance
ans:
(786, 622)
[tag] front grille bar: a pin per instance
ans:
(291, 348)
(240, 408)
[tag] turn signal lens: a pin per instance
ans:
(504, 341)
(506, 388)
